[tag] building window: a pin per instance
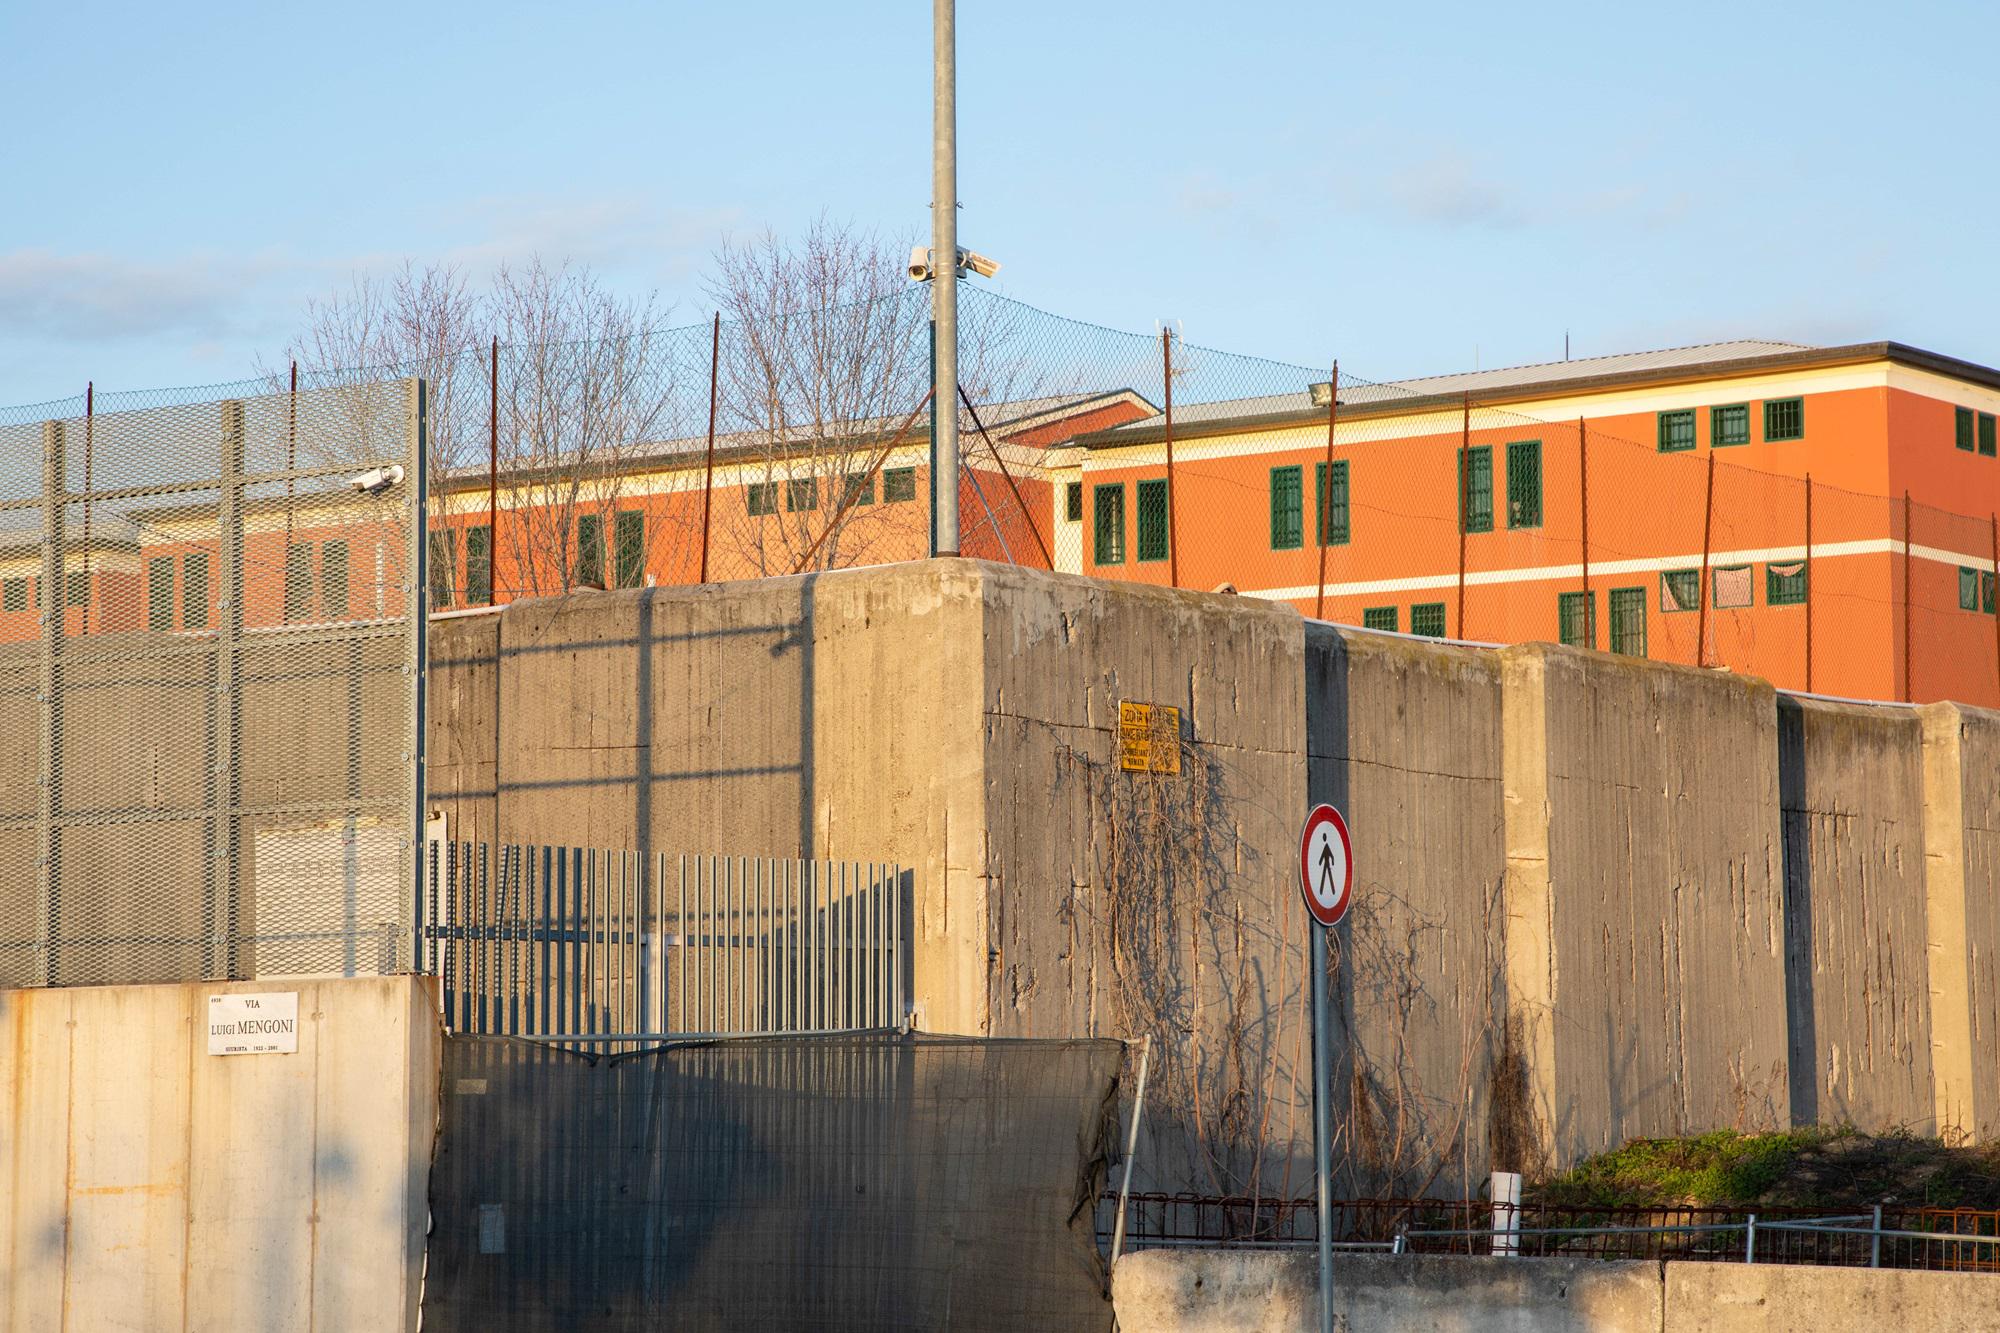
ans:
(628, 547)
(1731, 587)
(444, 567)
(1427, 618)
(761, 497)
(1108, 532)
(299, 581)
(1576, 619)
(1153, 519)
(1287, 509)
(1628, 621)
(1986, 592)
(76, 589)
(333, 573)
(1728, 425)
(1073, 502)
(1962, 428)
(801, 493)
(1524, 484)
(1330, 506)
(1986, 442)
(1968, 589)
(159, 593)
(478, 569)
(1676, 430)
(1379, 617)
(1785, 419)
(1785, 585)
(15, 595)
(1475, 471)
(1680, 590)
(860, 489)
(590, 551)
(899, 484)
(194, 590)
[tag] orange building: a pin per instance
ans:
(1656, 504)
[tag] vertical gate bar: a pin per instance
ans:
(704, 891)
(796, 1011)
(643, 1009)
(543, 921)
(825, 879)
(559, 927)
(851, 957)
(678, 1023)
(730, 1016)
(896, 928)
(742, 944)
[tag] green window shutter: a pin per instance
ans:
(478, 568)
(1785, 584)
(1680, 590)
(1287, 509)
(1986, 441)
(1379, 617)
(159, 593)
(761, 498)
(1524, 484)
(1676, 431)
(1576, 619)
(1729, 424)
(801, 493)
(1330, 508)
(1476, 473)
(443, 567)
(1427, 618)
(590, 551)
(1073, 502)
(194, 590)
(1968, 589)
(1784, 419)
(76, 589)
(1153, 519)
(1628, 621)
(333, 590)
(16, 595)
(1986, 591)
(1108, 527)
(298, 581)
(899, 484)
(860, 489)
(628, 540)
(1962, 428)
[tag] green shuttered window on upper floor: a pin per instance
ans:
(1524, 484)
(628, 542)
(1152, 496)
(1287, 508)
(1330, 504)
(1576, 619)
(1986, 434)
(1427, 618)
(1108, 524)
(1961, 432)
(159, 593)
(1379, 617)
(1784, 419)
(1676, 431)
(1628, 621)
(1728, 424)
(1475, 471)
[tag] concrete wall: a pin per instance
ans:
(1850, 781)
(150, 1185)
(1961, 755)
(1645, 961)
(1209, 1291)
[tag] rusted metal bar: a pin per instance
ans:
(1809, 584)
(1167, 388)
(1707, 531)
(493, 475)
(848, 492)
(89, 456)
(1464, 500)
(708, 476)
(1048, 561)
(1993, 521)
(1325, 487)
(1583, 484)
(1909, 693)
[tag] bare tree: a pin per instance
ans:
(824, 359)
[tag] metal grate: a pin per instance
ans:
(613, 945)
(210, 665)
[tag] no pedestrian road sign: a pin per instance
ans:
(1326, 865)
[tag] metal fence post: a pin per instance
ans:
(1809, 585)
(1325, 486)
(227, 846)
(1875, 1240)
(1909, 690)
(416, 662)
(1464, 502)
(1167, 390)
(1131, 1149)
(1750, 1241)
(55, 482)
(1707, 531)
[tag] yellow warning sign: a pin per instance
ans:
(1149, 737)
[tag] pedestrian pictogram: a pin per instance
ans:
(1326, 865)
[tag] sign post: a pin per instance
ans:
(1326, 879)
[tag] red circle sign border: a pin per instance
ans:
(1323, 814)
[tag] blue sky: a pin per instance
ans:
(1406, 187)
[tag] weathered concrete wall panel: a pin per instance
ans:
(1404, 738)
(1961, 755)
(1850, 779)
(1789, 1298)
(152, 1185)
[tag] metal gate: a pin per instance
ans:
(609, 946)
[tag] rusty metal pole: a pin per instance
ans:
(1994, 522)
(1909, 693)
(1326, 485)
(1809, 584)
(1464, 496)
(89, 432)
(1583, 482)
(708, 476)
(1167, 381)
(1702, 592)
(493, 475)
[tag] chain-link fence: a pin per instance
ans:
(209, 672)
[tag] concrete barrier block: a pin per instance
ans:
(1788, 1298)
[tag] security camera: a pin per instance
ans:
(978, 263)
(920, 263)
(377, 479)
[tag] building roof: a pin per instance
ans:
(1742, 356)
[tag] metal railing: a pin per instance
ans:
(604, 947)
(1887, 1236)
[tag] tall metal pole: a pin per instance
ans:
(1464, 502)
(944, 271)
(1326, 485)
(493, 476)
(1809, 583)
(1167, 388)
(708, 474)
(1583, 486)
(1909, 694)
(1323, 1124)
(1993, 527)
(1707, 530)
